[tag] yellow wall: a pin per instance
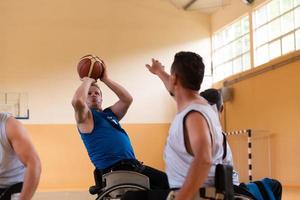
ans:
(270, 103)
(65, 162)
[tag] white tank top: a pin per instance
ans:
(11, 169)
(178, 160)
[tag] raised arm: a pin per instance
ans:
(25, 151)
(125, 99)
(198, 144)
(157, 68)
(79, 100)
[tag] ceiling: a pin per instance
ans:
(206, 6)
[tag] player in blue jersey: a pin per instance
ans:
(107, 143)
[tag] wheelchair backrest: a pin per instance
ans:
(125, 177)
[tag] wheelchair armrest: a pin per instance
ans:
(223, 181)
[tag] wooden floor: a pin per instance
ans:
(64, 195)
(289, 193)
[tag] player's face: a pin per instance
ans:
(94, 99)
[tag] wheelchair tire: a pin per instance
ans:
(241, 197)
(130, 187)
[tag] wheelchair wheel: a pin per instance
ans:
(241, 197)
(116, 192)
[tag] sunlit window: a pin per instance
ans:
(231, 47)
(275, 31)
(276, 27)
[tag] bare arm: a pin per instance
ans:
(199, 145)
(79, 100)
(158, 69)
(125, 99)
(24, 149)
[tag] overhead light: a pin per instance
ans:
(202, 5)
(248, 1)
(189, 4)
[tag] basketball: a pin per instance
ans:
(90, 66)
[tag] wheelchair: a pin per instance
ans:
(116, 183)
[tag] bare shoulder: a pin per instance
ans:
(15, 129)
(196, 122)
(195, 117)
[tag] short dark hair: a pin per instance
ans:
(189, 68)
(213, 96)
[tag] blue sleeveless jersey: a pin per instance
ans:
(108, 143)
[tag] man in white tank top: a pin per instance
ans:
(19, 162)
(194, 143)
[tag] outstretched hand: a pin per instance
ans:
(156, 67)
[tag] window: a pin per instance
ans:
(231, 47)
(297, 39)
(276, 27)
(275, 31)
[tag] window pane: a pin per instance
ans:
(297, 39)
(230, 33)
(222, 71)
(237, 29)
(237, 48)
(207, 68)
(225, 36)
(245, 25)
(275, 49)
(216, 58)
(227, 69)
(246, 61)
(261, 36)
(237, 65)
(219, 40)
(229, 52)
(286, 5)
(261, 55)
(287, 23)
(288, 43)
(215, 41)
(222, 55)
(273, 9)
(245, 43)
(297, 17)
(274, 29)
(222, 38)
(218, 75)
(260, 16)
